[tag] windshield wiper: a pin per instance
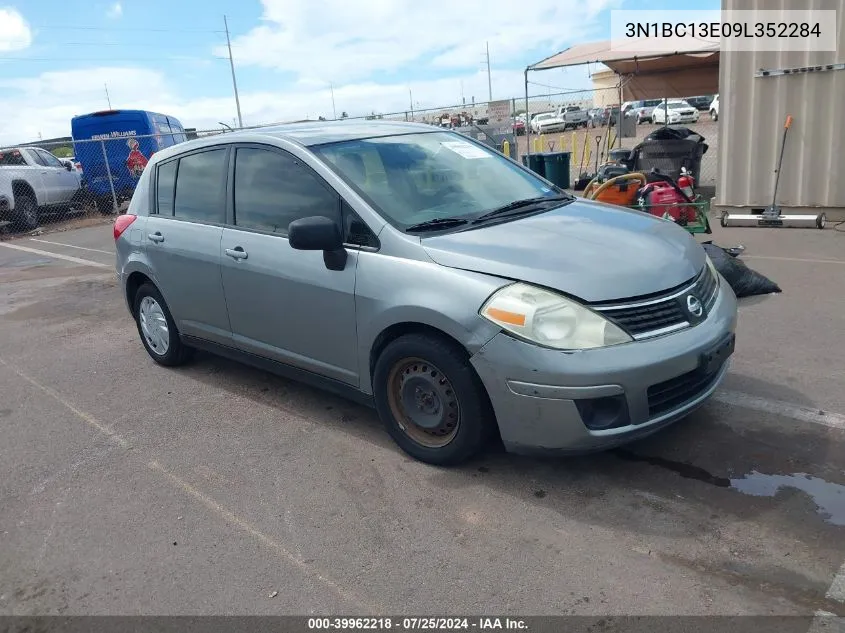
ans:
(517, 205)
(436, 224)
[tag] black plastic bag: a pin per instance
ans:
(744, 281)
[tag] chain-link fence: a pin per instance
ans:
(55, 181)
(41, 183)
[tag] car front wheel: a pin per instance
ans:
(431, 400)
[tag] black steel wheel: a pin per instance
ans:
(431, 400)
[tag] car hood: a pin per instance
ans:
(588, 250)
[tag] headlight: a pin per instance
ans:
(549, 319)
(713, 270)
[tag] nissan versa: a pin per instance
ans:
(419, 271)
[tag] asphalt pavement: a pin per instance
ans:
(128, 488)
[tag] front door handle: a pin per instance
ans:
(156, 237)
(236, 253)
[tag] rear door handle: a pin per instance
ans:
(156, 237)
(236, 253)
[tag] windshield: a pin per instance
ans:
(416, 178)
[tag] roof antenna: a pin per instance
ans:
(107, 95)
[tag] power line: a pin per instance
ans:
(175, 58)
(137, 29)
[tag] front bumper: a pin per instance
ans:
(534, 390)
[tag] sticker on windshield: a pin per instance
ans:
(467, 150)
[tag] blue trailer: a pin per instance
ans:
(123, 140)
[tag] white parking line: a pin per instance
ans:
(786, 409)
(67, 258)
(837, 587)
(795, 259)
(82, 248)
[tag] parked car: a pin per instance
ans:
(519, 125)
(701, 103)
(644, 112)
(129, 138)
(33, 181)
(474, 304)
(679, 111)
(560, 120)
(545, 122)
(714, 108)
(573, 117)
(597, 117)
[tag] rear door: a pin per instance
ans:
(283, 303)
(182, 241)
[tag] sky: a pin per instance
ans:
(294, 59)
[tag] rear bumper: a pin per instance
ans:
(538, 394)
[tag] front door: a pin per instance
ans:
(63, 182)
(182, 242)
(285, 304)
(43, 176)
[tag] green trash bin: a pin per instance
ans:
(557, 168)
(535, 163)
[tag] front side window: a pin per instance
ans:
(48, 159)
(272, 190)
(416, 178)
(200, 183)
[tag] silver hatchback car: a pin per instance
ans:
(425, 274)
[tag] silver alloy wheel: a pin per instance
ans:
(154, 325)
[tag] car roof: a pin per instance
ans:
(310, 133)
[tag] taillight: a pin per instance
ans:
(122, 223)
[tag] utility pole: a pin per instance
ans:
(334, 110)
(489, 79)
(232, 64)
(108, 99)
(463, 99)
(411, 96)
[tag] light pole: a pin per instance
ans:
(232, 64)
(226, 125)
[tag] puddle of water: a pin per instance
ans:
(829, 497)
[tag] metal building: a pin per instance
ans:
(753, 109)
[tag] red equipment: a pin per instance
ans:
(664, 200)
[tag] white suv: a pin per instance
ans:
(714, 108)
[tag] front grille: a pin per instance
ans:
(673, 393)
(650, 318)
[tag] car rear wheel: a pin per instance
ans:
(431, 400)
(26, 213)
(157, 329)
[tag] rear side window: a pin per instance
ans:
(272, 190)
(13, 157)
(200, 183)
(165, 182)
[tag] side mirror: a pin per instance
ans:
(317, 233)
(68, 166)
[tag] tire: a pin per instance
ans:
(167, 348)
(105, 205)
(448, 397)
(26, 213)
(714, 116)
